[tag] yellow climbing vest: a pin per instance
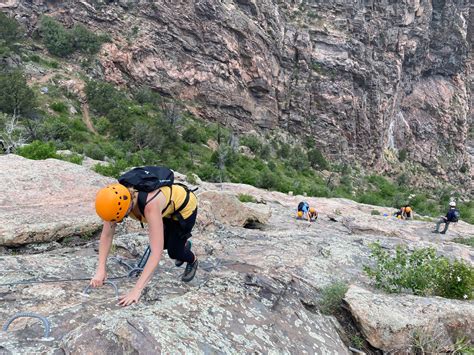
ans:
(175, 197)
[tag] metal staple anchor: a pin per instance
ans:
(87, 289)
(46, 324)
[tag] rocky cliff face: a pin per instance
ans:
(364, 78)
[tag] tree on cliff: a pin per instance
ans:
(10, 34)
(16, 97)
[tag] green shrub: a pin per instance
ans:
(246, 198)
(252, 142)
(104, 97)
(112, 170)
(467, 211)
(144, 134)
(317, 159)
(62, 42)
(208, 172)
(73, 158)
(35, 58)
(56, 38)
(191, 178)
(284, 150)
(194, 134)
(59, 107)
(331, 297)
(467, 241)
(85, 40)
(38, 150)
(402, 155)
(298, 159)
(144, 95)
(265, 152)
(52, 64)
(103, 125)
(94, 151)
(422, 272)
(268, 179)
(10, 34)
(15, 95)
(455, 279)
(55, 129)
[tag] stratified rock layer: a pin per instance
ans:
(365, 79)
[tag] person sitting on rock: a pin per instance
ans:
(451, 217)
(170, 212)
(302, 211)
(312, 214)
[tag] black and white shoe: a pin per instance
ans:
(187, 246)
(190, 271)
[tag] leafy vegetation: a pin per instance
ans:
(38, 150)
(63, 42)
(10, 34)
(246, 198)
(466, 241)
(422, 272)
(16, 97)
(331, 297)
(429, 340)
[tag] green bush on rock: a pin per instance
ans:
(422, 272)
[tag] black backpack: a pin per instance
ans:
(301, 204)
(456, 215)
(149, 178)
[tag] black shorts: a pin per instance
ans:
(178, 230)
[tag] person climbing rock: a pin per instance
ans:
(302, 210)
(312, 214)
(405, 212)
(149, 195)
(451, 217)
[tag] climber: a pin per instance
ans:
(406, 212)
(312, 214)
(451, 217)
(170, 211)
(302, 210)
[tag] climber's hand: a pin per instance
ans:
(98, 279)
(132, 297)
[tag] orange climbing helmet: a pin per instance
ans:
(112, 202)
(312, 210)
(300, 214)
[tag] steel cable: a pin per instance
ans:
(46, 324)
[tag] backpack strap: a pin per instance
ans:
(177, 211)
(142, 200)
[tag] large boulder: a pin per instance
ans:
(46, 200)
(393, 322)
(224, 208)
